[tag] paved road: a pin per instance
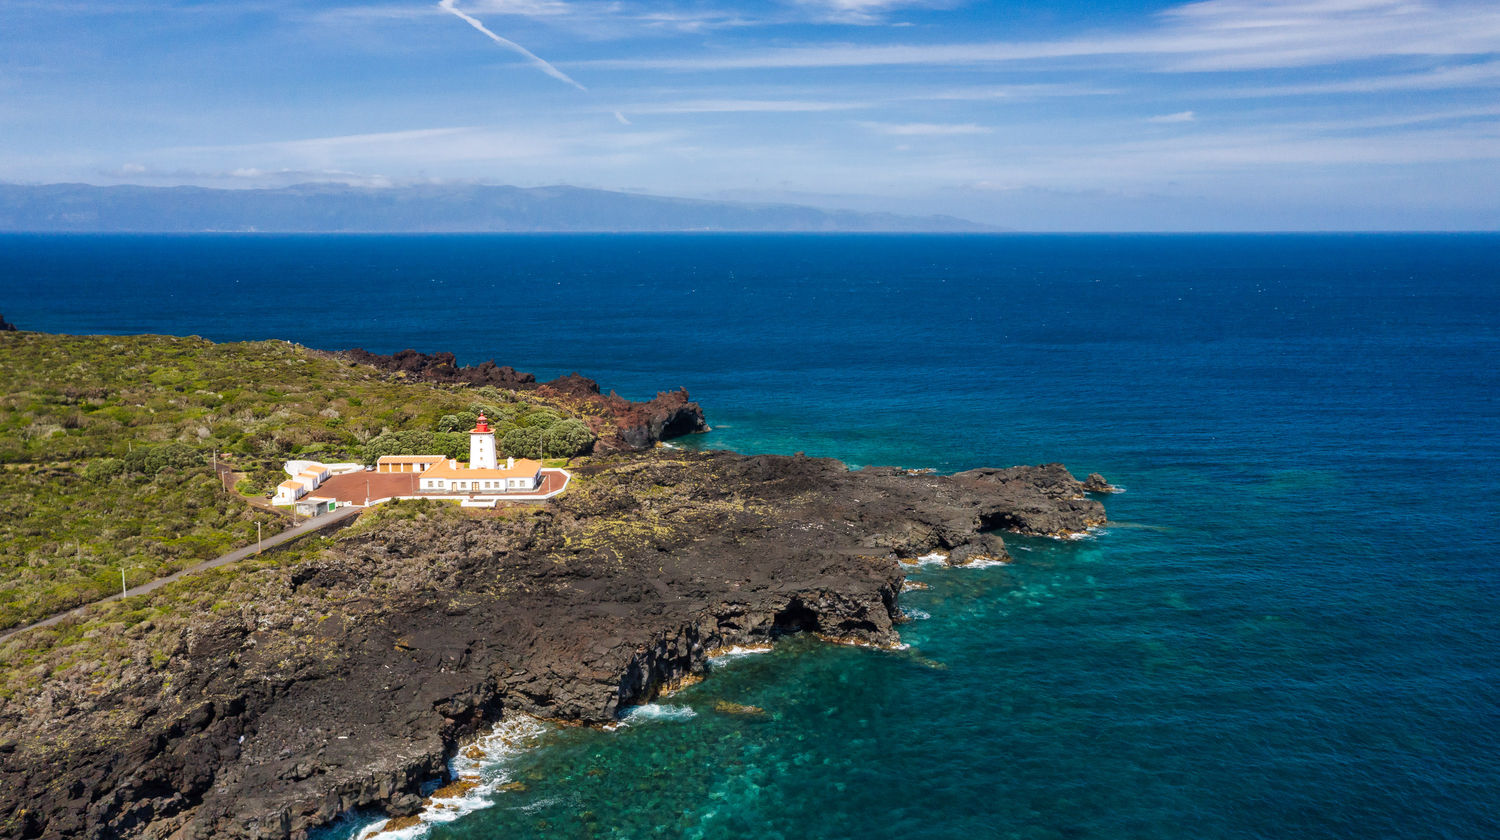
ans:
(317, 523)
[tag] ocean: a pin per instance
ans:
(1289, 630)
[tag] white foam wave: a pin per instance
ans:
(481, 771)
(916, 615)
(659, 711)
(935, 558)
(983, 563)
(735, 652)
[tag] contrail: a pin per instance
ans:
(448, 6)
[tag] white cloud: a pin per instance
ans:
(1179, 117)
(729, 106)
(1016, 93)
(354, 141)
(1484, 74)
(461, 147)
(1207, 36)
(862, 11)
(926, 129)
(528, 8)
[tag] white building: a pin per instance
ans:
(447, 477)
(288, 492)
(482, 452)
(406, 463)
(305, 478)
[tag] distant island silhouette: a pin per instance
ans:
(337, 208)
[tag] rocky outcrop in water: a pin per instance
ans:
(6, 326)
(636, 425)
(1096, 483)
(347, 678)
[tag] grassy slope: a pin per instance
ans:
(105, 446)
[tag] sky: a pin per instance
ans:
(1048, 115)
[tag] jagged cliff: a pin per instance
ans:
(348, 676)
(631, 426)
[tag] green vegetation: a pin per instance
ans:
(67, 537)
(101, 648)
(107, 445)
(111, 645)
(521, 430)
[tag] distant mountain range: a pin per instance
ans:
(331, 208)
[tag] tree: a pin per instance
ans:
(540, 418)
(401, 443)
(450, 445)
(150, 460)
(460, 422)
(561, 439)
(567, 438)
(521, 442)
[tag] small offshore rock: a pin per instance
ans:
(1096, 483)
(741, 709)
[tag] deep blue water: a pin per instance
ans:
(1291, 630)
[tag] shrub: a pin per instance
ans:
(540, 418)
(450, 445)
(521, 442)
(561, 439)
(400, 443)
(567, 438)
(103, 469)
(150, 460)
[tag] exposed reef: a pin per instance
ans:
(637, 425)
(347, 678)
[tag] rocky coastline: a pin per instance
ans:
(348, 677)
(635, 426)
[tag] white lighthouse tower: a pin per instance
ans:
(482, 446)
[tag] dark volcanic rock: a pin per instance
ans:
(444, 367)
(6, 326)
(637, 425)
(348, 679)
(1096, 483)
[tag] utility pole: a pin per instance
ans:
(258, 547)
(122, 581)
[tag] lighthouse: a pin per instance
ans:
(482, 446)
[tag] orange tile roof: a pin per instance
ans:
(409, 459)
(290, 484)
(524, 468)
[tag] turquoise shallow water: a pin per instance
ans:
(1289, 630)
